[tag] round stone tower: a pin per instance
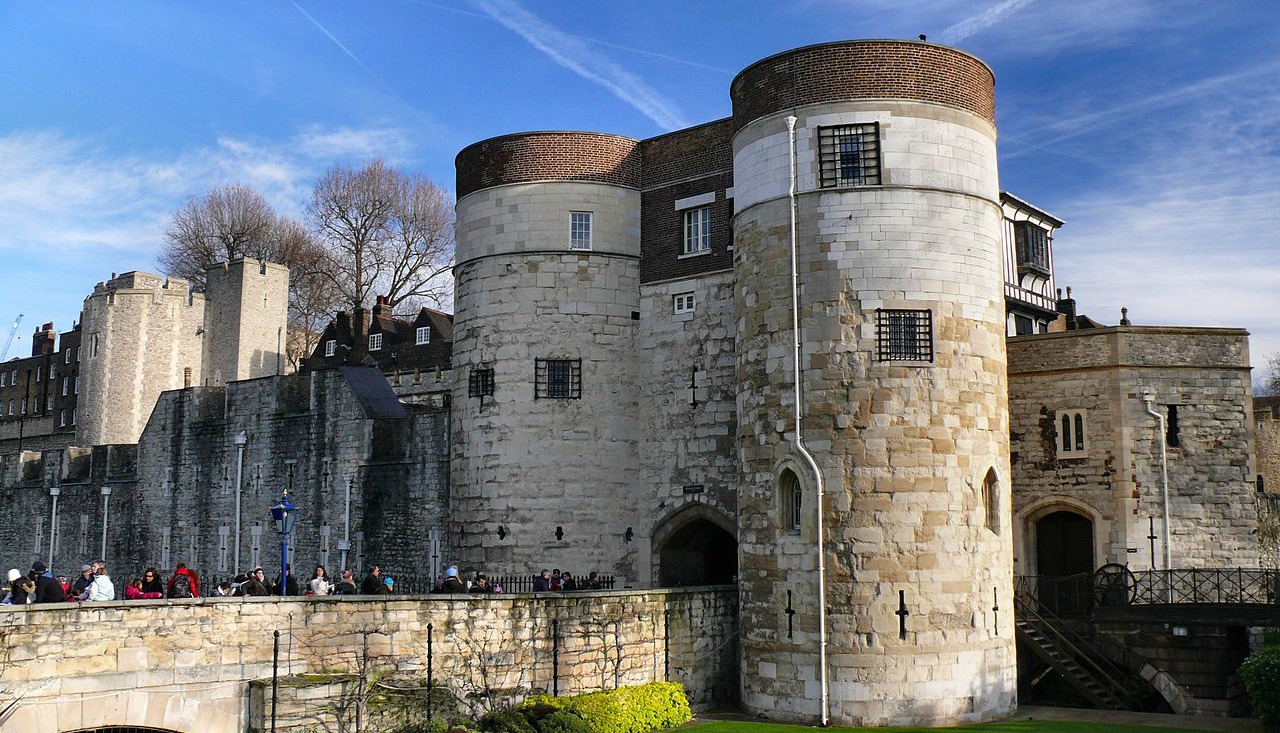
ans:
(547, 293)
(902, 371)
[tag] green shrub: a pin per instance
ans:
(639, 709)
(1261, 675)
(562, 721)
(505, 721)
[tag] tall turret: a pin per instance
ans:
(547, 286)
(902, 370)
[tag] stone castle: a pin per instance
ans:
(811, 348)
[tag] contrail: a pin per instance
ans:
(335, 40)
(982, 21)
(572, 54)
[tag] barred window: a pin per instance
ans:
(1032, 245)
(558, 379)
(580, 230)
(480, 382)
(904, 335)
(697, 230)
(849, 155)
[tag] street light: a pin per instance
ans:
(286, 515)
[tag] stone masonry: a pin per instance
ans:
(186, 665)
(1199, 374)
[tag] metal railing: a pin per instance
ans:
(422, 585)
(1214, 586)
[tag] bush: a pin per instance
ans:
(562, 721)
(505, 721)
(1261, 675)
(639, 709)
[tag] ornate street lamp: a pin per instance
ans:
(286, 516)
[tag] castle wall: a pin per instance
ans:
(536, 481)
(245, 321)
(903, 447)
(185, 666)
(1204, 374)
(139, 333)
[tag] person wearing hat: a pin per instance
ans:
(390, 584)
(82, 582)
(20, 589)
(452, 583)
(48, 589)
(255, 584)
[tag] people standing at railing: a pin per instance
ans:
(101, 589)
(372, 583)
(48, 589)
(452, 583)
(481, 585)
(151, 583)
(288, 583)
(567, 581)
(542, 582)
(184, 583)
(319, 585)
(80, 583)
(347, 585)
(21, 589)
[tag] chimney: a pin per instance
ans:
(359, 334)
(42, 341)
(1067, 307)
(380, 309)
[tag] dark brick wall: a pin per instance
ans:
(537, 156)
(863, 69)
(675, 166)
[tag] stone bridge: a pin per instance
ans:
(190, 666)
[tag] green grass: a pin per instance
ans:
(1012, 726)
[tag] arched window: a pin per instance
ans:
(991, 501)
(1072, 440)
(790, 500)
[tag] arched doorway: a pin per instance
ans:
(694, 548)
(1064, 559)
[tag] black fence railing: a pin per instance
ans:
(422, 585)
(1076, 596)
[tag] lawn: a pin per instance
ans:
(1012, 726)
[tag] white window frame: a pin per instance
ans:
(330, 347)
(580, 223)
(66, 385)
(375, 342)
(1074, 443)
(697, 231)
(4, 379)
(422, 335)
(67, 358)
(683, 303)
(39, 371)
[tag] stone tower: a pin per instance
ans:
(902, 371)
(547, 292)
(143, 334)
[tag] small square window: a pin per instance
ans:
(849, 155)
(375, 342)
(1073, 442)
(558, 379)
(330, 347)
(904, 335)
(682, 303)
(480, 382)
(422, 336)
(697, 230)
(580, 230)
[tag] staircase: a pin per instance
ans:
(1102, 683)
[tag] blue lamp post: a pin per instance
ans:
(286, 515)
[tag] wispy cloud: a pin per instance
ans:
(573, 54)
(982, 21)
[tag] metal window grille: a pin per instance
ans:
(580, 230)
(480, 383)
(1032, 246)
(697, 230)
(558, 379)
(904, 335)
(849, 155)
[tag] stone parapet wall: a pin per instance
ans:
(185, 665)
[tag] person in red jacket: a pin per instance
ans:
(189, 580)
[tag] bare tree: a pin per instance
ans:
(1271, 382)
(227, 223)
(385, 233)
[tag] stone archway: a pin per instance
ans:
(132, 711)
(695, 546)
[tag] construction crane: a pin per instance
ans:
(9, 341)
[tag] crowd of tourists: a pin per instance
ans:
(41, 585)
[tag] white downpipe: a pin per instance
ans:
(346, 528)
(241, 438)
(1147, 398)
(106, 508)
(813, 465)
(53, 522)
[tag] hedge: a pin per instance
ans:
(639, 709)
(1261, 675)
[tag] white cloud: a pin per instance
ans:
(574, 54)
(345, 142)
(982, 21)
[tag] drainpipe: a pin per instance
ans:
(53, 522)
(106, 506)
(240, 439)
(1148, 399)
(799, 442)
(345, 544)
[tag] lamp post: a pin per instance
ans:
(286, 515)
(240, 439)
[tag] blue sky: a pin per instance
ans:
(1148, 125)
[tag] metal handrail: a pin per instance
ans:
(1076, 646)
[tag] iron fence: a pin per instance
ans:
(1075, 596)
(413, 585)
